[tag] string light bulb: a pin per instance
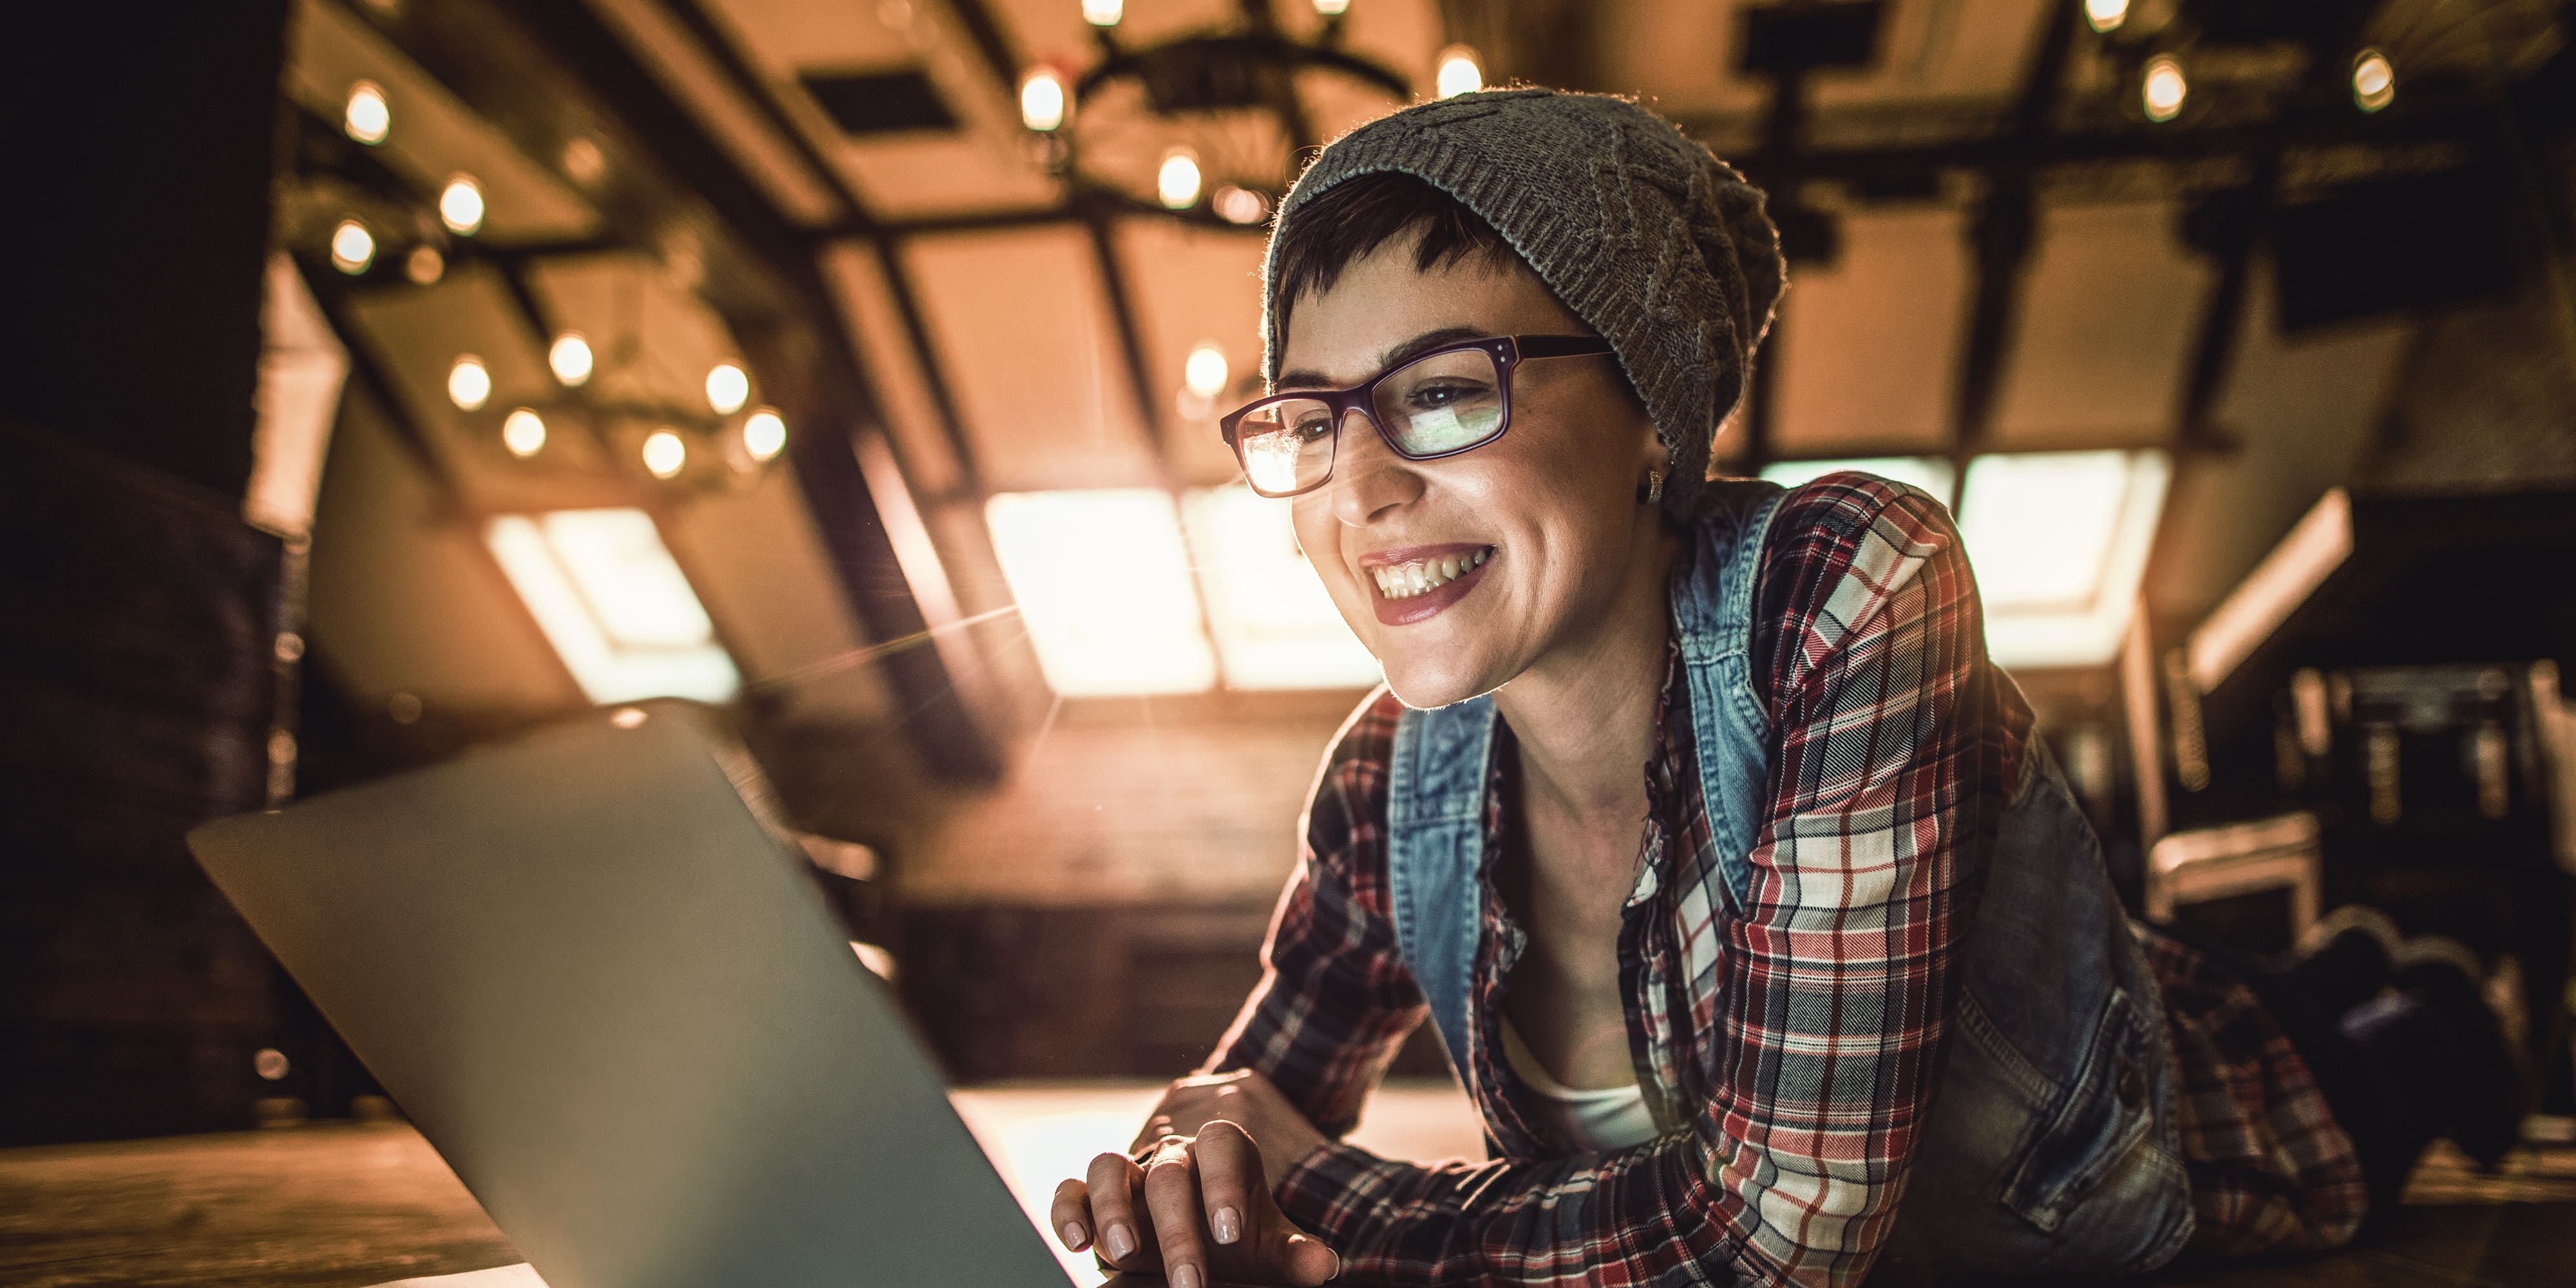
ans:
(1332, 8)
(763, 434)
(727, 388)
(469, 383)
(523, 431)
(368, 118)
(2105, 15)
(2164, 89)
(571, 359)
(2374, 81)
(460, 205)
(1205, 372)
(1043, 100)
(1460, 72)
(1177, 182)
(1103, 13)
(664, 453)
(352, 247)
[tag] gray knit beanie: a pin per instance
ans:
(1656, 243)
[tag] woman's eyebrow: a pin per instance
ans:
(1305, 378)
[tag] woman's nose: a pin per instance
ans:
(1369, 479)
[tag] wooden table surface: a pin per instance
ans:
(352, 1204)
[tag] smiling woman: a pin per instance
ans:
(1693, 815)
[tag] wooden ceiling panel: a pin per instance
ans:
(2110, 308)
(1021, 321)
(1190, 286)
(1869, 348)
(903, 390)
(1682, 55)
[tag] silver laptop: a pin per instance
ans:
(625, 1018)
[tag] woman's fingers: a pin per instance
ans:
(1229, 1167)
(1172, 1198)
(1125, 1234)
(1070, 1215)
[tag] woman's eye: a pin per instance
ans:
(1447, 394)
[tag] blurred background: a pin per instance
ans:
(383, 376)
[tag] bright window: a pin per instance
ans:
(1275, 625)
(1930, 473)
(1103, 583)
(2059, 541)
(614, 604)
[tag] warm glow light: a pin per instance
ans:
(2106, 15)
(614, 604)
(1177, 183)
(1103, 13)
(1275, 625)
(1930, 473)
(523, 431)
(570, 357)
(763, 434)
(727, 388)
(2059, 541)
(1239, 205)
(469, 383)
(460, 205)
(2164, 88)
(424, 266)
(664, 453)
(1460, 72)
(1042, 100)
(2374, 81)
(1332, 8)
(1205, 371)
(368, 117)
(1103, 584)
(352, 247)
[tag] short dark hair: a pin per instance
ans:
(1341, 226)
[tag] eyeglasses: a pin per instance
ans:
(1453, 399)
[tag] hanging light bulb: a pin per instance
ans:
(424, 266)
(352, 247)
(1332, 8)
(727, 388)
(1103, 13)
(1460, 72)
(570, 357)
(469, 383)
(1177, 182)
(763, 434)
(460, 205)
(1205, 372)
(2164, 88)
(1043, 100)
(2106, 15)
(2374, 81)
(523, 431)
(368, 117)
(664, 453)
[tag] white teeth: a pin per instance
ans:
(1409, 580)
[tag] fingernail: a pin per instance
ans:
(1185, 1277)
(1075, 1236)
(1229, 1225)
(1337, 1265)
(1121, 1243)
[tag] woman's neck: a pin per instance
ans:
(1584, 715)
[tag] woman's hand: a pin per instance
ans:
(1198, 1206)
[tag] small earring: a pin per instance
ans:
(1653, 492)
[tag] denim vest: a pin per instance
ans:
(2052, 1145)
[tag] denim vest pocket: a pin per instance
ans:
(2096, 1121)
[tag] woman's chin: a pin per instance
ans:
(1425, 683)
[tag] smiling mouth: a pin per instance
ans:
(1422, 576)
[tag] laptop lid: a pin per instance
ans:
(624, 1017)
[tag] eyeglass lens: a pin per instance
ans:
(1438, 404)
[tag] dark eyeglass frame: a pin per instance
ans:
(1507, 351)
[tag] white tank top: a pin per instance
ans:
(1606, 1119)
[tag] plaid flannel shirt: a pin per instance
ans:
(1895, 752)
